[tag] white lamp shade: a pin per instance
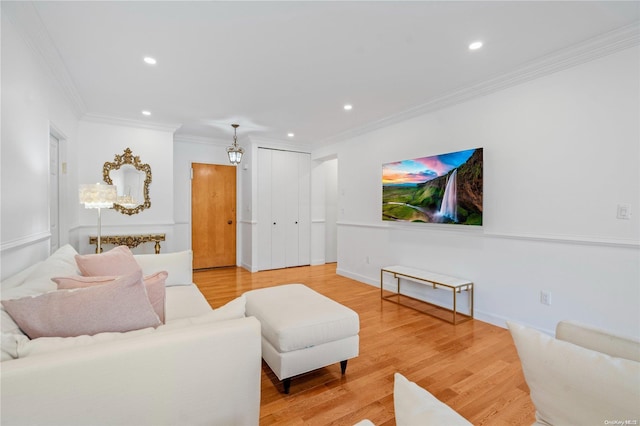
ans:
(97, 196)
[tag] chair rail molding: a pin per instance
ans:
(25, 241)
(552, 238)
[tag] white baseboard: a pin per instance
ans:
(248, 267)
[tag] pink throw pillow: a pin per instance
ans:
(120, 306)
(80, 281)
(157, 291)
(154, 284)
(117, 261)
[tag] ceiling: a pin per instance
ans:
(281, 67)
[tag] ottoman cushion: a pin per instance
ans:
(295, 317)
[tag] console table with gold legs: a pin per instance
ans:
(456, 285)
(130, 241)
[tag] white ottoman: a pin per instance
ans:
(302, 330)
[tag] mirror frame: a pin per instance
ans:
(119, 161)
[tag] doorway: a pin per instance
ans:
(331, 210)
(213, 215)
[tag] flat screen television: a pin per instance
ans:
(445, 188)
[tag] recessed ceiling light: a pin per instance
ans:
(149, 60)
(348, 107)
(475, 45)
(290, 135)
(147, 113)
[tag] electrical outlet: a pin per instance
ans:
(624, 212)
(545, 298)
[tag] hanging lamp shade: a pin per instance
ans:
(234, 151)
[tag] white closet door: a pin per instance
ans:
(280, 189)
(284, 209)
(264, 208)
(292, 216)
(304, 209)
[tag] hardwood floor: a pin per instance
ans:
(473, 367)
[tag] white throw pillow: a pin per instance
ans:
(19, 278)
(61, 262)
(179, 265)
(571, 385)
(233, 310)
(415, 406)
(598, 339)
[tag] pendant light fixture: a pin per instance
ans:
(235, 152)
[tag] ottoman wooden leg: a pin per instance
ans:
(287, 385)
(343, 366)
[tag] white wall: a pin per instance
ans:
(100, 142)
(331, 210)
(32, 104)
(560, 153)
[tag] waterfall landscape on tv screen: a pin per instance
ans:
(444, 188)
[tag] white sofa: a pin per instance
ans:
(583, 376)
(201, 368)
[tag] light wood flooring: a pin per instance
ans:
(473, 367)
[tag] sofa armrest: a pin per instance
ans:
(204, 374)
(598, 340)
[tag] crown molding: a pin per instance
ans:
(29, 25)
(201, 140)
(580, 53)
(273, 143)
(106, 119)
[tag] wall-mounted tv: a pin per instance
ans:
(445, 188)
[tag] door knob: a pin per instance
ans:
(229, 222)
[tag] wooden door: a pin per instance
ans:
(213, 215)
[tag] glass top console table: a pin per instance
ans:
(436, 281)
(130, 241)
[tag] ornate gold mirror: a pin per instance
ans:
(132, 179)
